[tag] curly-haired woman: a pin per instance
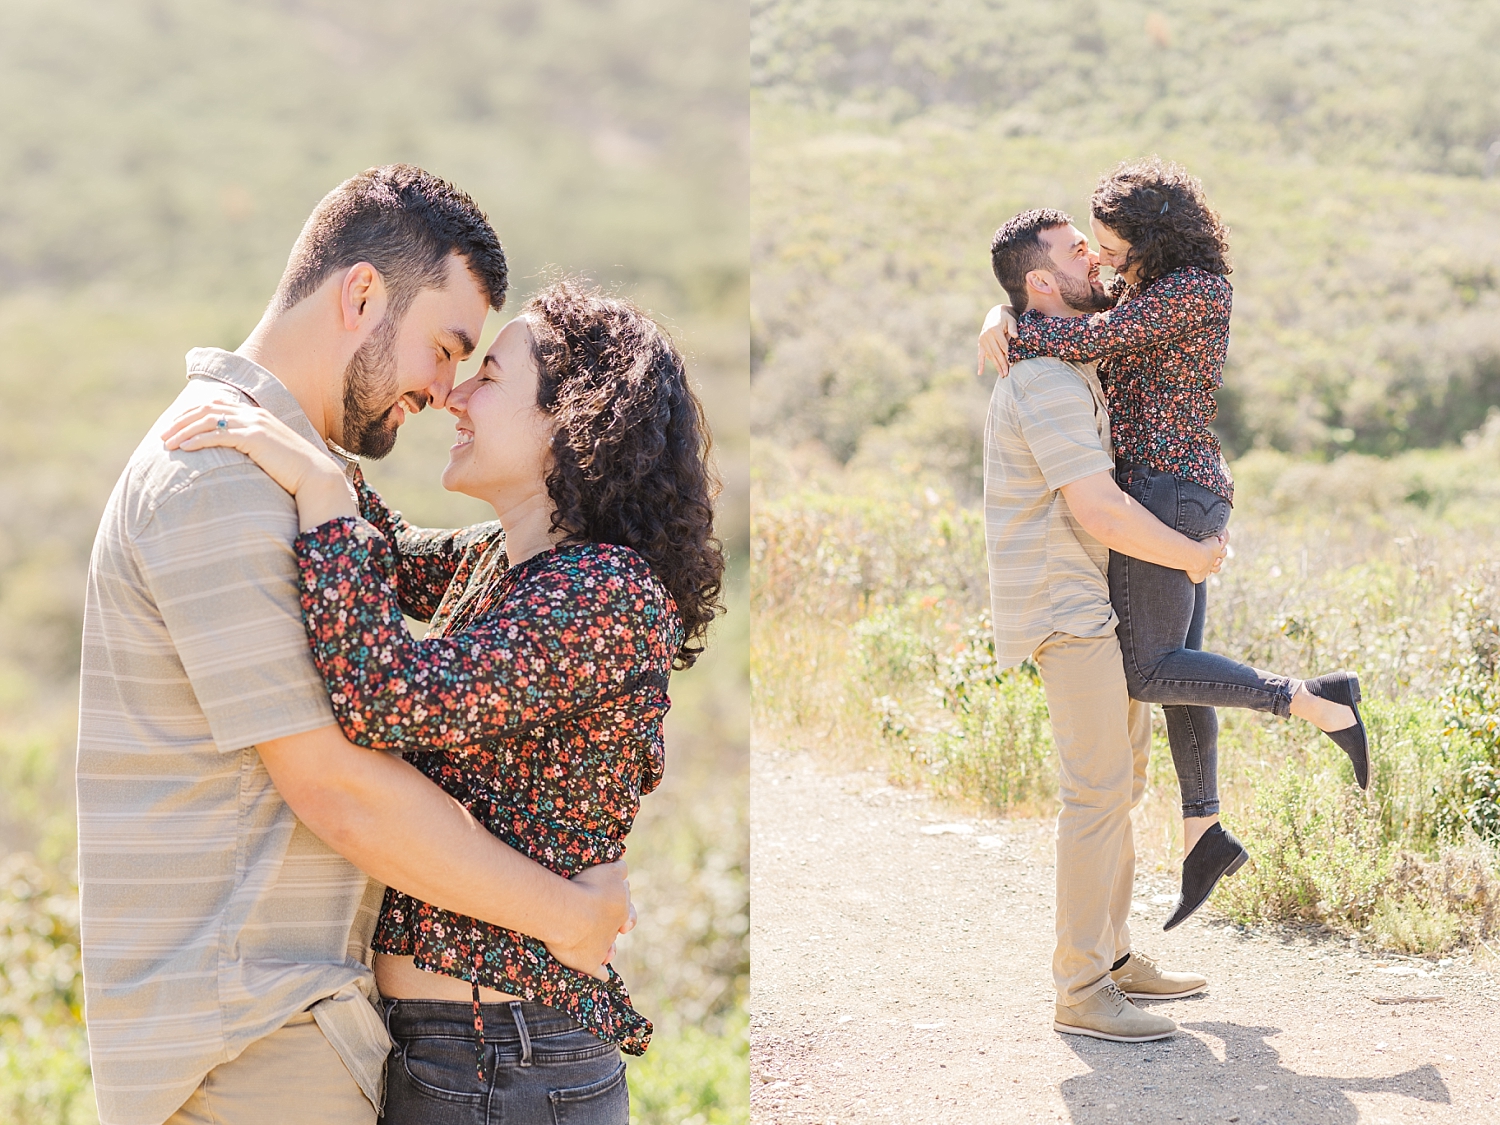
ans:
(1160, 336)
(536, 698)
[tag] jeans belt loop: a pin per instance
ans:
(389, 1007)
(515, 1014)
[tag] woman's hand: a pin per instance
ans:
(322, 490)
(609, 913)
(994, 339)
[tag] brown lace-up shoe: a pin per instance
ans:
(1109, 1014)
(1141, 978)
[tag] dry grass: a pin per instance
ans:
(871, 642)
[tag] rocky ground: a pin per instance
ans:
(900, 972)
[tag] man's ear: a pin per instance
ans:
(1040, 282)
(362, 297)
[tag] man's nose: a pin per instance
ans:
(439, 389)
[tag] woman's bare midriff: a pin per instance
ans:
(400, 979)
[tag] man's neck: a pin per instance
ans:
(295, 346)
(1046, 305)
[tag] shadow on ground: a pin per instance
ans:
(1182, 1079)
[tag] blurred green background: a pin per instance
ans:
(1350, 146)
(1353, 149)
(158, 159)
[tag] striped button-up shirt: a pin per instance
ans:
(210, 913)
(1047, 426)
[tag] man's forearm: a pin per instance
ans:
(1142, 536)
(1122, 524)
(394, 824)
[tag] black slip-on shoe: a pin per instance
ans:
(1216, 854)
(1343, 687)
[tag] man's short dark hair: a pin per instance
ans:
(405, 222)
(1017, 249)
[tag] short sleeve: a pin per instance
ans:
(1056, 411)
(216, 556)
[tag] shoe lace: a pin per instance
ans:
(1113, 992)
(1142, 961)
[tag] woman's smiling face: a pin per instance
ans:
(1114, 251)
(504, 438)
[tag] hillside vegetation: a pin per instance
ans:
(1353, 151)
(159, 158)
(1345, 144)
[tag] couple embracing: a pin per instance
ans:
(329, 871)
(1107, 503)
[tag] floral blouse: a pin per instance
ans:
(1162, 348)
(536, 700)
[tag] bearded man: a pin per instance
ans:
(1052, 515)
(232, 843)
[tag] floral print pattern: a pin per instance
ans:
(536, 700)
(1162, 349)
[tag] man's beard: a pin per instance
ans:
(1082, 296)
(370, 393)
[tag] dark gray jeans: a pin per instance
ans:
(542, 1067)
(1161, 638)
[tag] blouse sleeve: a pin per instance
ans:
(1181, 304)
(578, 635)
(426, 558)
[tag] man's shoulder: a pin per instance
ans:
(1044, 366)
(158, 482)
(1045, 372)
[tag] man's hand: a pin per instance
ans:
(994, 340)
(609, 887)
(1213, 550)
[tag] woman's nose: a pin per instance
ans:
(455, 399)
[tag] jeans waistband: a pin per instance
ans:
(412, 1018)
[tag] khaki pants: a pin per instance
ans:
(291, 1077)
(1103, 742)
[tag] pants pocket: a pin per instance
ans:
(1200, 513)
(1156, 492)
(605, 1102)
(432, 1079)
(1180, 504)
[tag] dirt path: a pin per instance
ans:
(900, 972)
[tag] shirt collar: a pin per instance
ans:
(263, 389)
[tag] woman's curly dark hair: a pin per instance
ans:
(1157, 207)
(630, 456)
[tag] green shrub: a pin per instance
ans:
(952, 718)
(1317, 851)
(44, 1071)
(906, 670)
(693, 1077)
